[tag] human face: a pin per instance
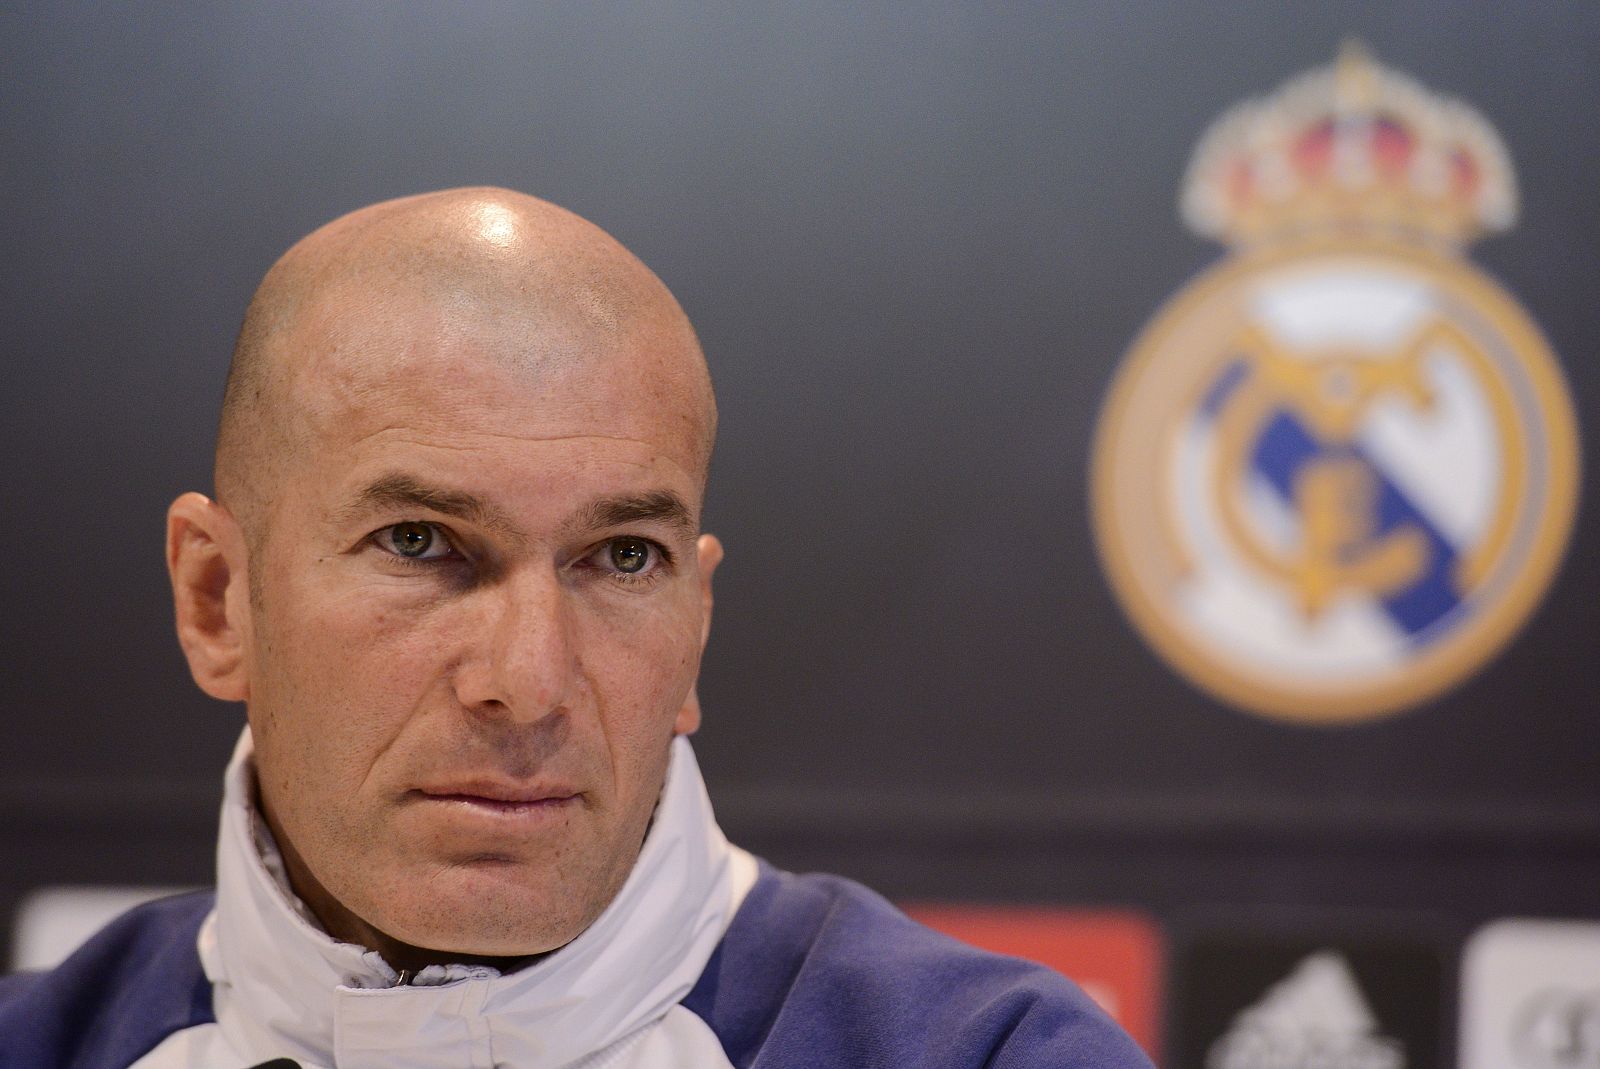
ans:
(477, 617)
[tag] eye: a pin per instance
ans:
(630, 556)
(413, 541)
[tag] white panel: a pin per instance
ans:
(1530, 996)
(52, 922)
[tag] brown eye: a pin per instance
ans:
(630, 555)
(412, 539)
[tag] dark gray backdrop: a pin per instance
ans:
(916, 240)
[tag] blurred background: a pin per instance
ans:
(919, 242)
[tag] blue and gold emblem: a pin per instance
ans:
(1337, 471)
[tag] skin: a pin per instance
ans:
(458, 752)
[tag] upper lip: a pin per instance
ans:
(497, 791)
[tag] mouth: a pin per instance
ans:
(500, 800)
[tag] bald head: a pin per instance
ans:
(528, 286)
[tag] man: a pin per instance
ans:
(454, 571)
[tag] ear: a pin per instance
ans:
(208, 562)
(708, 553)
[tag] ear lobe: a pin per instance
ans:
(688, 720)
(207, 561)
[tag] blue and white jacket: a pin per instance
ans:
(707, 959)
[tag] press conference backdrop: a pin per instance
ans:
(1158, 544)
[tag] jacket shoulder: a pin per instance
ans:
(818, 971)
(137, 981)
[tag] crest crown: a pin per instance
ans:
(1354, 147)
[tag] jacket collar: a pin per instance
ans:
(282, 986)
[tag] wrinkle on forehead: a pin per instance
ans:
(543, 439)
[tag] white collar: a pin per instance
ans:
(282, 986)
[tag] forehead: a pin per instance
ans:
(456, 370)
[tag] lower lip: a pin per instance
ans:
(494, 807)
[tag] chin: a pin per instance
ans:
(475, 920)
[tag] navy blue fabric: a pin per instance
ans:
(123, 992)
(817, 972)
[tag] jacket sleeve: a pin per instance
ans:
(121, 993)
(819, 973)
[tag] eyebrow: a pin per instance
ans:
(657, 506)
(397, 491)
(402, 491)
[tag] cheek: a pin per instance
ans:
(337, 681)
(648, 651)
(639, 667)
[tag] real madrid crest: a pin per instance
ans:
(1337, 470)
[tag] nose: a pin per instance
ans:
(519, 662)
